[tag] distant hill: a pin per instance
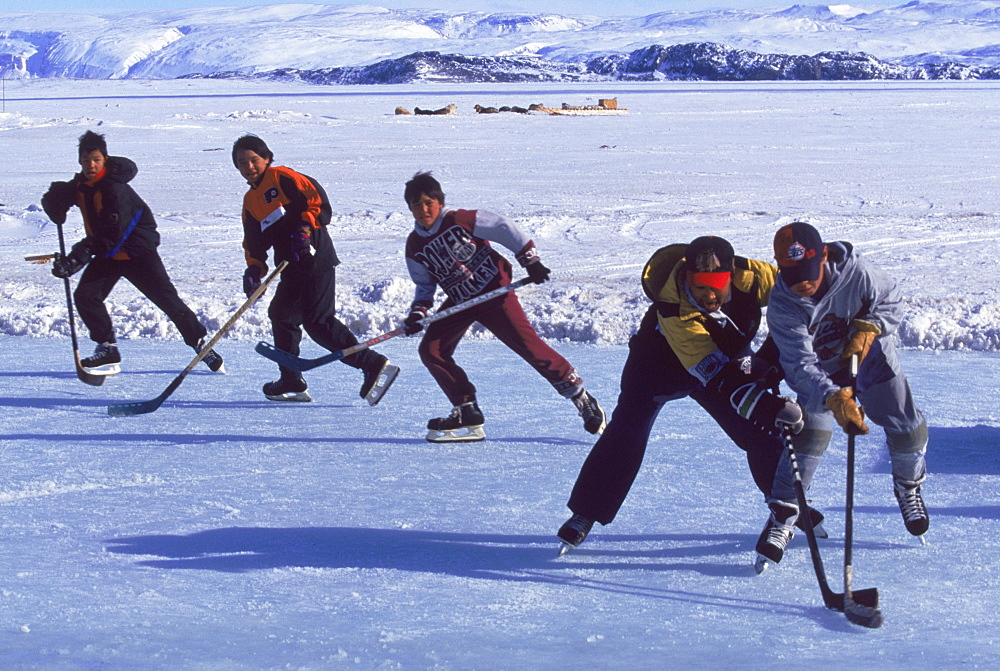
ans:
(367, 44)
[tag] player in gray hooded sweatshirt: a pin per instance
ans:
(829, 304)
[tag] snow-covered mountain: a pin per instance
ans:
(958, 37)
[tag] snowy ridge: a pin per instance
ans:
(304, 37)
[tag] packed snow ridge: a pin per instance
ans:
(358, 44)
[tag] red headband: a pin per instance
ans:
(714, 280)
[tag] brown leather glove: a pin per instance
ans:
(845, 409)
(862, 336)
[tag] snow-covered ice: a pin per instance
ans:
(224, 531)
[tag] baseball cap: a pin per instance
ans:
(798, 249)
(708, 260)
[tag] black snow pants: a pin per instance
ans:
(653, 375)
(149, 276)
(306, 299)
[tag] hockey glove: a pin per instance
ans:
(845, 409)
(57, 201)
(765, 368)
(413, 323)
(251, 280)
(300, 245)
(537, 272)
(862, 336)
(769, 411)
(746, 388)
(78, 257)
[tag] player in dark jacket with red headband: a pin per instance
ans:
(694, 341)
(121, 241)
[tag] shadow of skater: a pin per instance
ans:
(242, 549)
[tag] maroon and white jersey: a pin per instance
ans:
(455, 254)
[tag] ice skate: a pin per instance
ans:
(291, 387)
(463, 425)
(593, 416)
(911, 505)
(106, 360)
(817, 521)
(777, 533)
(212, 359)
(378, 379)
(573, 532)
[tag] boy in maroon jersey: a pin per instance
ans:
(451, 249)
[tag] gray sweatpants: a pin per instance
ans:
(888, 404)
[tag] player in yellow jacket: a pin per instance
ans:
(695, 340)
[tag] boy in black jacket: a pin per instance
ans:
(120, 241)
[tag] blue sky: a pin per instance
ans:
(598, 7)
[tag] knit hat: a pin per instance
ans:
(708, 260)
(798, 249)
(254, 144)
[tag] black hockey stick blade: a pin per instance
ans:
(145, 407)
(863, 598)
(283, 358)
(859, 614)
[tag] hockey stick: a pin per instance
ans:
(834, 600)
(858, 613)
(41, 258)
(81, 373)
(143, 407)
(283, 358)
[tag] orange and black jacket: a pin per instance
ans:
(119, 224)
(281, 204)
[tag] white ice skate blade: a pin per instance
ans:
(466, 434)
(106, 369)
(386, 377)
(761, 563)
(300, 396)
(565, 548)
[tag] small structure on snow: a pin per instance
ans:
(603, 106)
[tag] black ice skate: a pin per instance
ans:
(212, 359)
(106, 360)
(463, 425)
(778, 531)
(911, 505)
(573, 532)
(291, 387)
(378, 379)
(817, 521)
(593, 416)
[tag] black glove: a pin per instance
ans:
(300, 247)
(57, 201)
(764, 365)
(413, 324)
(538, 272)
(78, 257)
(251, 280)
(749, 397)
